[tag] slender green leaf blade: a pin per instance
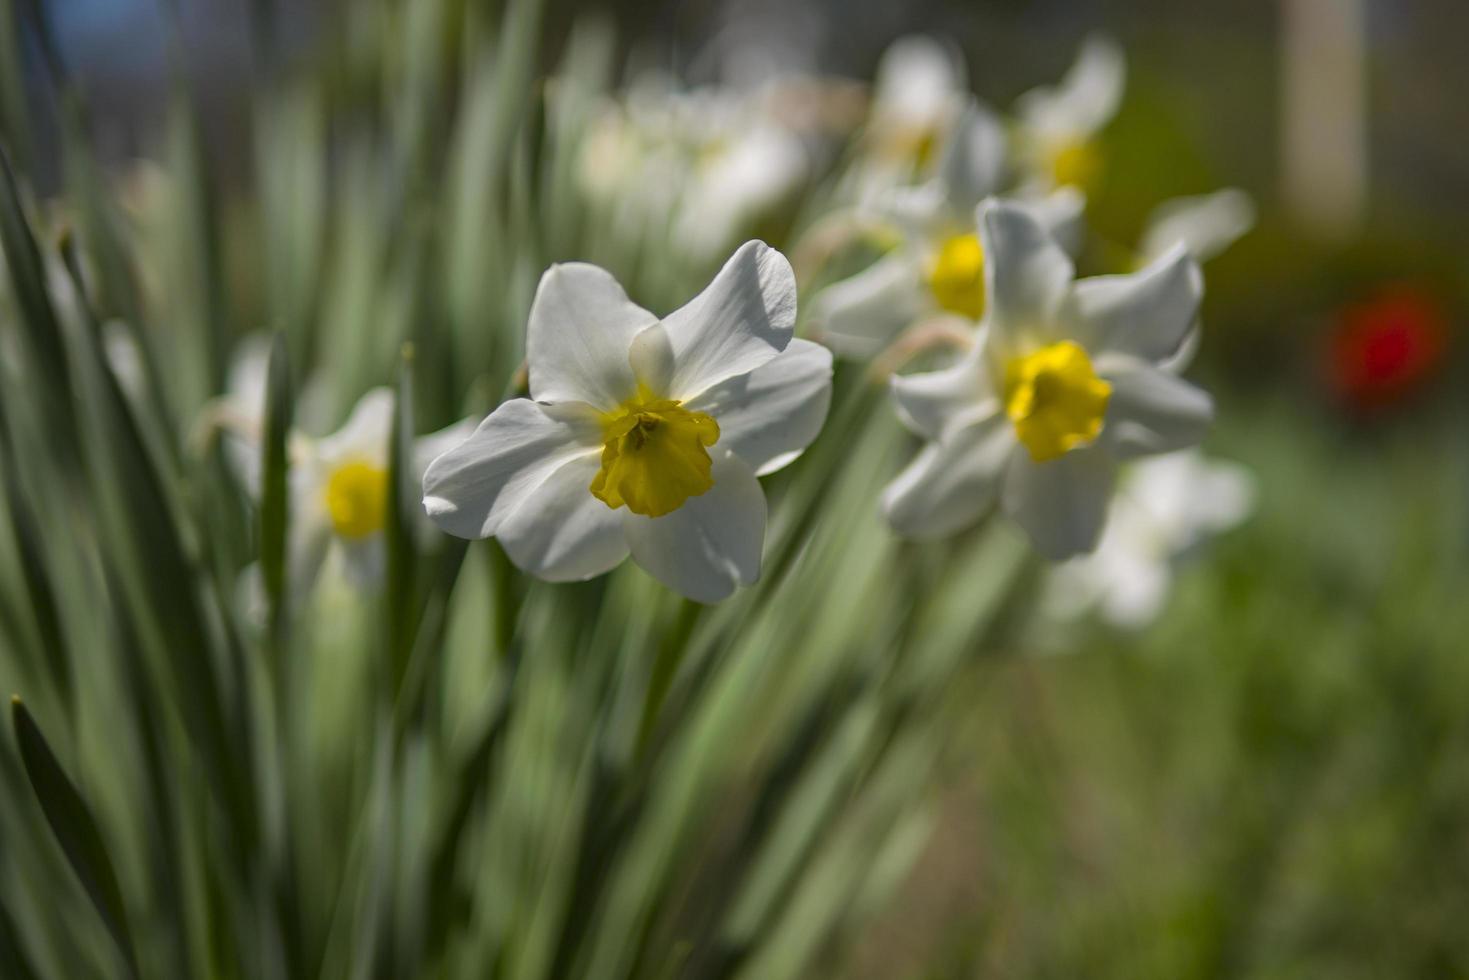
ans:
(71, 821)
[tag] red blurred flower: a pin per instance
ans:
(1385, 348)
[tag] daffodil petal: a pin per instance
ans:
(1205, 225)
(1062, 212)
(742, 319)
(973, 163)
(581, 326)
(710, 545)
(1150, 410)
(561, 533)
(472, 488)
(366, 431)
(767, 417)
(309, 535)
(860, 315)
(951, 483)
(1086, 98)
(1027, 276)
(916, 82)
(1147, 314)
(932, 402)
(362, 562)
(430, 447)
(1061, 503)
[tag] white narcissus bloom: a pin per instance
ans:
(339, 491)
(641, 435)
(1058, 125)
(1165, 507)
(338, 484)
(1065, 380)
(920, 87)
(937, 268)
(1206, 225)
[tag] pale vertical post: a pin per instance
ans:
(1324, 114)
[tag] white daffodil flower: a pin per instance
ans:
(937, 269)
(338, 484)
(641, 435)
(1165, 507)
(1064, 381)
(920, 88)
(1058, 125)
(339, 491)
(1206, 225)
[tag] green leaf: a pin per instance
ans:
(404, 505)
(71, 821)
(137, 507)
(41, 331)
(35, 576)
(15, 117)
(274, 471)
(13, 962)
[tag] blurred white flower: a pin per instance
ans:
(937, 267)
(920, 88)
(641, 435)
(1206, 225)
(702, 165)
(1066, 379)
(1164, 508)
(1056, 141)
(338, 484)
(339, 491)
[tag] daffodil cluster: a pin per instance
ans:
(647, 436)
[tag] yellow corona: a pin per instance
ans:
(655, 455)
(1055, 399)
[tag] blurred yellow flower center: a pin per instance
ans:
(1055, 399)
(956, 276)
(654, 455)
(1075, 163)
(357, 498)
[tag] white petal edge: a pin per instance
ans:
(1146, 314)
(932, 402)
(1027, 277)
(560, 532)
(712, 544)
(366, 432)
(1062, 212)
(950, 483)
(742, 319)
(427, 448)
(1205, 225)
(859, 316)
(917, 81)
(974, 158)
(472, 488)
(1062, 503)
(581, 327)
(1151, 410)
(769, 416)
(1086, 98)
